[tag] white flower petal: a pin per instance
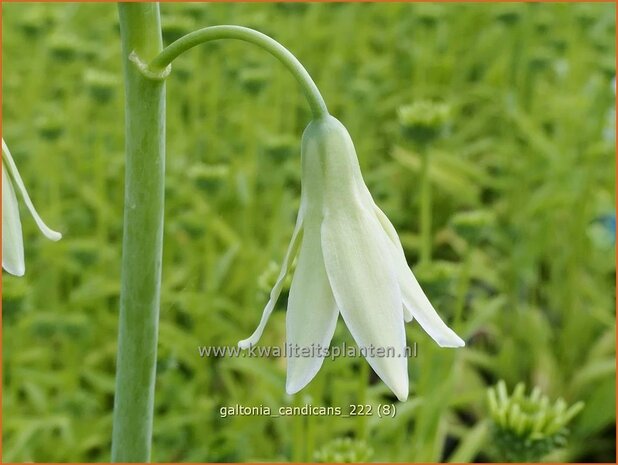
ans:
(398, 255)
(361, 273)
(276, 290)
(14, 174)
(12, 241)
(414, 299)
(312, 313)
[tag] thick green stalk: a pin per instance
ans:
(165, 58)
(143, 233)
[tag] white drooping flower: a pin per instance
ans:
(12, 239)
(350, 261)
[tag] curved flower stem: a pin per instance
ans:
(142, 244)
(169, 53)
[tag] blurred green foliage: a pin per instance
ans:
(520, 176)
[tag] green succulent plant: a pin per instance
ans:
(424, 120)
(528, 427)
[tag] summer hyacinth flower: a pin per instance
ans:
(350, 262)
(12, 240)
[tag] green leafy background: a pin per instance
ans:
(529, 145)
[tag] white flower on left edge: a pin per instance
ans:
(12, 240)
(350, 262)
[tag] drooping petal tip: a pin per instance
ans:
(292, 386)
(245, 343)
(276, 290)
(450, 340)
(16, 269)
(416, 304)
(14, 175)
(401, 390)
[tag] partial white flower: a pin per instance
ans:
(350, 261)
(12, 240)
